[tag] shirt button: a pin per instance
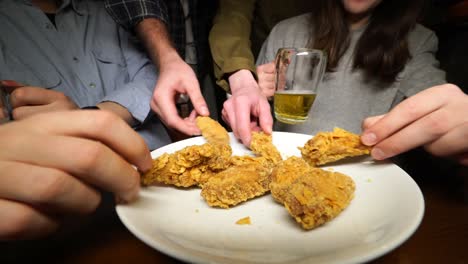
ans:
(75, 59)
(92, 85)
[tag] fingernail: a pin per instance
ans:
(11, 83)
(147, 165)
(119, 200)
(129, 197)
(369, 139)
(196, 132)
(378, 154)
(134, 189)
(204, 111)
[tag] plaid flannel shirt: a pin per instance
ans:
(129, 13)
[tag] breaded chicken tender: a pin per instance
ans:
(183, 168)
(246, 178)
(238, 183)
(262, 146)
(212, 131)
(326, 147)
(248, 160)
(193, 165)
(218, 136)
(311, 195)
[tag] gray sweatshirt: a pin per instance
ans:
(344, 98)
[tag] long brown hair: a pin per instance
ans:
(382, 50)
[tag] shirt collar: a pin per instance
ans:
(77, 5)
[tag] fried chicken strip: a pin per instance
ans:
(326, 147)
(311, 195)
(193, 165)
(246, 178)
(262, 145)
(249, 177)
(216, 135)
(212, 131)
(181, 168)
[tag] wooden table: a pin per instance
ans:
(441, 238)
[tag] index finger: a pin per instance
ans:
(403, 114)
(30, 95)
(264, 116)
(101, 126)
(242, 109)
(170, 117)
(196, 97)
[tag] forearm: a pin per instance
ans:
(129, 13)
(230, 38)
(153, 33)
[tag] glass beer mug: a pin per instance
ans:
(299, 72)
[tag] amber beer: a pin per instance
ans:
(292, 107)
(298, 73)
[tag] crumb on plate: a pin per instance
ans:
(244, 221)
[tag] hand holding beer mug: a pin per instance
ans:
(299, 72)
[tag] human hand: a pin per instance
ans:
(6, 87)
(53, 165)
(177, 77)
(30, 100)
(435, 118)
(266, 78)
(247, 109)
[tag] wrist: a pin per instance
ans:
(242, 79)
(170, 56)
(156, 39)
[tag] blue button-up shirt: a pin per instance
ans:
(86, 55)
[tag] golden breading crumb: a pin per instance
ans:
(262, 146)
(311, 195)
(244, 221)
(326, 147)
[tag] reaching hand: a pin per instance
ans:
(177, 77)
(247, 109)
(435, 118)
(29, 100)
(53, 164)
(266, 78)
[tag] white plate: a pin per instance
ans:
(387, 208)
